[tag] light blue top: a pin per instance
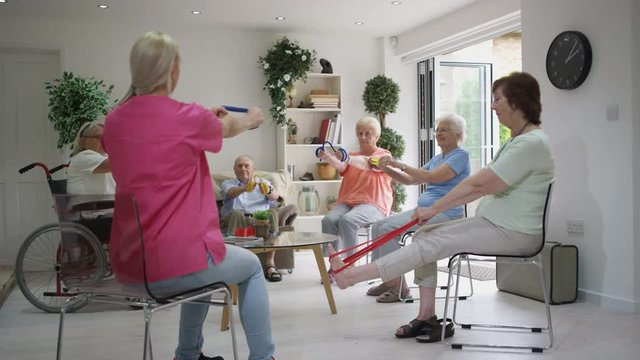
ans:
(458, 160)
(526, 165)
(247, 202)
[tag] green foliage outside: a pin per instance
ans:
(399, 197)
(75, 100)
(468, 107)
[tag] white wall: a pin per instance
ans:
(597, 166)
(219, 67)
(594, 157)
(635, 94)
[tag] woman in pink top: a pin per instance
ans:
(365, 193)
(156, 148)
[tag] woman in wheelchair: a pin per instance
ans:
(156, 148)
(513, 188)
(89, 173)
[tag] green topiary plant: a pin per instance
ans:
(285, 63)
(381, 97)
(73, 101)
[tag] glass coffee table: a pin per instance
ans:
(295, 241)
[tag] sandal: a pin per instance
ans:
(274, 276)
(392, 296)
(433, 333)
(378, 290)
(414, 327)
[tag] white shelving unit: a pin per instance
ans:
(308, 121)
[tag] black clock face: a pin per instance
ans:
(569, 60)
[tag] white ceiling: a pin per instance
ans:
(380, 18)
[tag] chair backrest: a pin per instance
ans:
(545, 219)
(132, 249)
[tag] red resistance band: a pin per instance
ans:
(371, 245)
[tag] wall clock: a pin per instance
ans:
(569, 60)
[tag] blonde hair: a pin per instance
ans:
(86, 129)
(151, 60)
(370, 122)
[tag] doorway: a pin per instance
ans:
(26, 136)
(460, 82)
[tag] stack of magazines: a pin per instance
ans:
(243, 240)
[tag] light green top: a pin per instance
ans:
(525, 164)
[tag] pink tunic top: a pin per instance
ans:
(156, 148)
(366, 187)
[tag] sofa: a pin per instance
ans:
(280, 181)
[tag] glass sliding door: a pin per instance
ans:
(465, 88)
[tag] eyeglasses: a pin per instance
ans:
(442, 130)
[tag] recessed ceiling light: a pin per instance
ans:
(396, 3)
(280, 18)
(359, 23)
(100, 6)
(196, 12)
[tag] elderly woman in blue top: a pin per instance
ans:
(441, 174)
(245, 195)
(513, 189)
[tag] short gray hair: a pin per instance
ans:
(458, 122)
(371, 122)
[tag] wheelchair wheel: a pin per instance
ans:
(39, 271)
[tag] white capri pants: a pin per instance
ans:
(433, 242)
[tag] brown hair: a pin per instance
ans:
(522, 92)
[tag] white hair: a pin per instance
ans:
(88, 128)
(458, 123)
(370, 122)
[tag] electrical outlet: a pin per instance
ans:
(575, 226)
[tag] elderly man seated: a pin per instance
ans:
(247, 194)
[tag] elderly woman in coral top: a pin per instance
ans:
(365, 194)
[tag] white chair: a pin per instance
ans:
(534, 258)
(77, 270)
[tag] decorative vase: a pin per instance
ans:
(292, 139)
(326, 171)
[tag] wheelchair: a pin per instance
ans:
(39, 261)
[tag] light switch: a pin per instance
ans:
(612, 112)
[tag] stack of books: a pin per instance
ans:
(324, 101)
(330, 129)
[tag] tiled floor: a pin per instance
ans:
(304, 328)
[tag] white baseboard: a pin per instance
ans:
(609, 302)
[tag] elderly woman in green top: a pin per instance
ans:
(513, 188)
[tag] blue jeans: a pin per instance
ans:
(239, 266)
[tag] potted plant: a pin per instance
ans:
(285, 63)
(261, 222)
(75, 100)
(381, 96)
